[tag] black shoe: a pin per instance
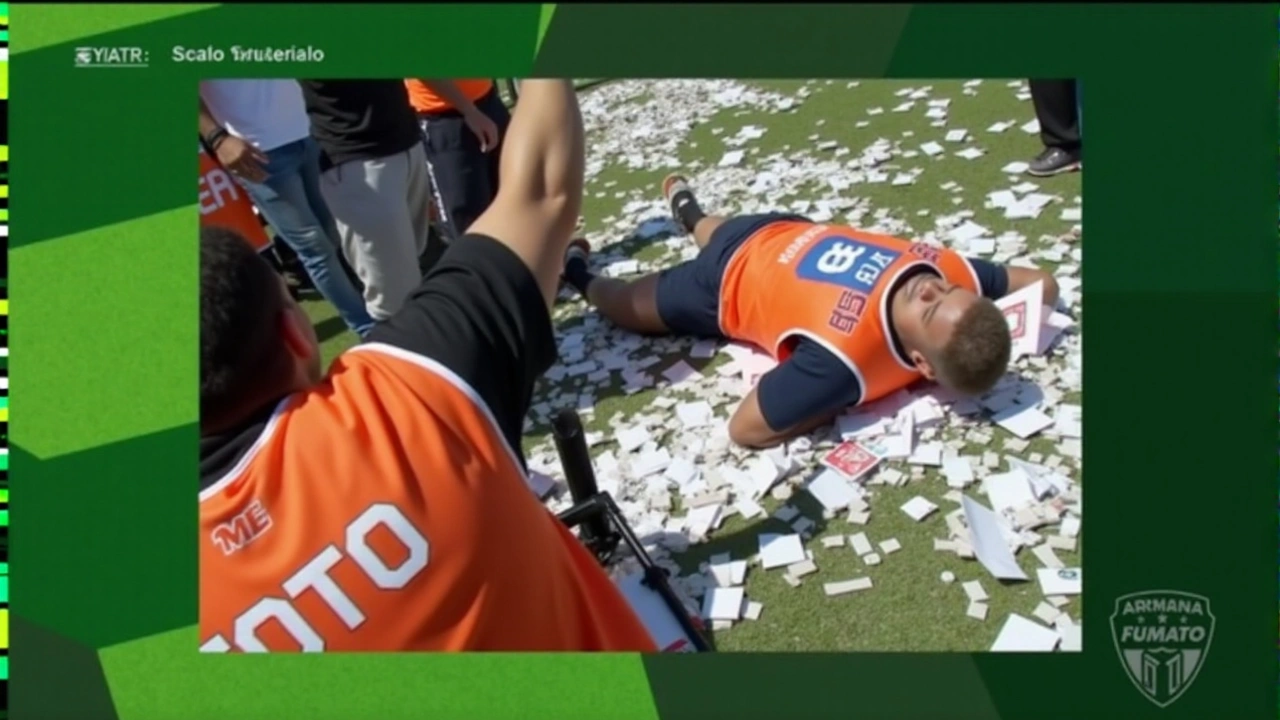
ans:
(1054, 161)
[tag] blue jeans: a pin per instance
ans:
(291, 202)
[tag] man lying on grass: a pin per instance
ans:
(851, 316)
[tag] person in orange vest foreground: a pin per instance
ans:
(384, 505)
(223, 203)
(852, 316)
(463, 123)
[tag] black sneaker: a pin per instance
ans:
(1054, 161)
(671, 185)
(578, 248)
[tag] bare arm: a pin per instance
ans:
(540, 195)
(235, 154)
(747, 426)
(207, 124)
(1020, 277)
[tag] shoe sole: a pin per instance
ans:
(668, 182)
(1073, 167)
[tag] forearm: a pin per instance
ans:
(773, 439)
(750, 428)
(207, 122)
(451, 93)
(544, 149)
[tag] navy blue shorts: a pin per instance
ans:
(688, 294)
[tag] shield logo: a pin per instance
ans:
(1162, 637)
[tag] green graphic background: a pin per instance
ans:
(1180, 282)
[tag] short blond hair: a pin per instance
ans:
(978, 353)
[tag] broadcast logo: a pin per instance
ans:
(112, 57)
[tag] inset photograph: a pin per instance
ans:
(695, 365)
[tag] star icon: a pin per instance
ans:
(1184, 619)
(1141, 619)
(1163, 619)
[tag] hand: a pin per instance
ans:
(242, 159)
(485, 128)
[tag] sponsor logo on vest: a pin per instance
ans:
(851, 264)
(1162, 637)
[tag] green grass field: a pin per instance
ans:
(909, 609)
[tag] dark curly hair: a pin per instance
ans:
(243, 361)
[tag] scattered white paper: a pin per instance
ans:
(780, 550)
(1059, 581)
(988, 540)
(731, 158)
(919, 508)
(1022, 421)
(832, 490)
(723, 604)
(1023, 310)
(1022, 635)
(1009, 491)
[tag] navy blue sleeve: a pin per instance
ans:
(810, 383)
(993, 279)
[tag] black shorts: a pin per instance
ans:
(688, 294)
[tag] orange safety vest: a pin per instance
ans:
(224, 203)
(385, 511)
(830, 284)
(424, 100)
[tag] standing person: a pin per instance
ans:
(383, 506)
(1058, 111)
(259, 131)
(463, 122)
(374, 177)
(851, 316)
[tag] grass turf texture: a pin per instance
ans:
(910, 608)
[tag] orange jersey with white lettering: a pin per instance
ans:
(830, 284)
(224, 203)
(384, 511)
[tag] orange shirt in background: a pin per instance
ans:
(223, 203)
(424, 100)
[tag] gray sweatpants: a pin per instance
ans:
(381, 208)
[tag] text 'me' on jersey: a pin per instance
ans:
(384, 511)
(830, 284)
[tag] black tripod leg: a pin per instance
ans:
(571, 444)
